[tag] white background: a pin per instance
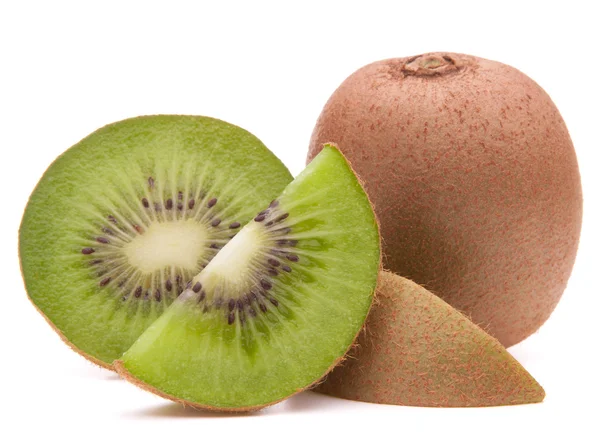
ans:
(67, 69)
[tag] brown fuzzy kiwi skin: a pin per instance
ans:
(65, 340)
(474, 179)
(62, 336)
(119, 367)
(419, 351)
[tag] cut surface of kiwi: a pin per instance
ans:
(122, 221)
(417, 350)
(277, 307)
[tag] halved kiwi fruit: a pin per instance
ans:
(277, 307)
(122, 221)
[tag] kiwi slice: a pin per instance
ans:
(277, 307)
(417, 350)
(122, 221)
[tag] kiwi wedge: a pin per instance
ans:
(417, 350)
(278, 306)
(122, 221)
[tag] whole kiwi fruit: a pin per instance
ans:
(474, 179)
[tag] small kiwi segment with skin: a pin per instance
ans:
(278, 306)
(474, 178)
(122, 221)
(417, 350)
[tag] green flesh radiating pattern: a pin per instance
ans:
(123, 220)
(277, 307)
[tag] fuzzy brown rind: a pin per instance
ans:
(120, 368)
(417, 350)
(474, 179)
(62, 336)
(74, 348)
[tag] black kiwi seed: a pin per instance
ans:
(292, 257)
(110, 271)
(286, 268)
(274, 203)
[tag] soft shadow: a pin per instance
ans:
(303, 402)
(175, 410)
(527, 351)
(95, 372)
(114, 376)
(310, 401)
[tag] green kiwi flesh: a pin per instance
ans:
(120, 222)
(417, 350)
(279, 305)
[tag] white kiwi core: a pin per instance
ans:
(180, 244)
